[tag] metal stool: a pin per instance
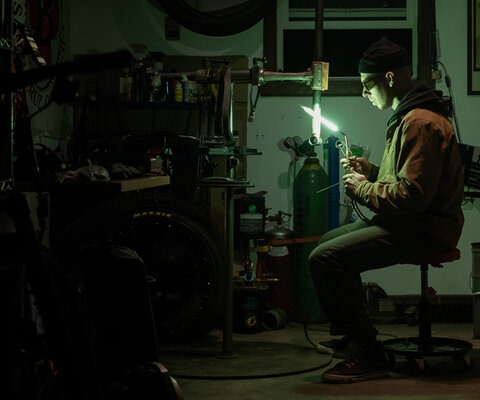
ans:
(416, 348)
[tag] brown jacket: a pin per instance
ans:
(419, 183)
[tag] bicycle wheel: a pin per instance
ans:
(48, 352)
(182, 257)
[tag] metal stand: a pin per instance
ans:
(230, 185)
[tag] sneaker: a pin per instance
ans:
(334, 347)
(363, 363)
(337, 347)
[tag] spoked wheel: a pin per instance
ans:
(46, 352)
(182, 257)
(54, 359)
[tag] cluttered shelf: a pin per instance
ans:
(104, 103)
(120, 185)
(100, 121)
(112, 186)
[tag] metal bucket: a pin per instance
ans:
(475, 274)
(476, 315)
(475, 286)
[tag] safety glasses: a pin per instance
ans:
(370, 83)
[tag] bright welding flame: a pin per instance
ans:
(319, 119)
(316, 125)
(316, 122)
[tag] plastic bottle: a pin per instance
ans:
(178, 92)
(125, 89)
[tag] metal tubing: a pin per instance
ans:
(227, 339)
(318, 51)
(333, 180)
(424, 324)
(269, 76)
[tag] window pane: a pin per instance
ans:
(342, 48)
(349, 3)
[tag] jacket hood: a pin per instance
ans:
(422, 96)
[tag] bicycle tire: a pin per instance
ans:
(58, 362)
(51, 355)
(182, 257)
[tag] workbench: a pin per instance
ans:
(72, 198)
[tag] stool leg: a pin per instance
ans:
(424, 320)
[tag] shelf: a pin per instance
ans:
(112, 186)
(229, 151)
(221, 182)
(117, 185)
(144, 105)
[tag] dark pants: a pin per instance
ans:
(342, 254)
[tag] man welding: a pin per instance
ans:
(415, 194)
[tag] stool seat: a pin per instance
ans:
(424, 345)
(438, 258)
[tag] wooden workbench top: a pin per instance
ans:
(111, 186)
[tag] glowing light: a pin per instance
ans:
(316, 123)
(319, 119)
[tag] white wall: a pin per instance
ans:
(455, 277)
(278, 118)
(109, 25)
(101, 26)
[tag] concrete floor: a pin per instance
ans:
(282, 364)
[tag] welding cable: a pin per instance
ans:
(314, 368)
(339, 145)
(448, 83)
(307, 336)
(321, 363)
(359, 212)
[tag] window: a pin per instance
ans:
(343, 10)
(349, 26)
(342, 48)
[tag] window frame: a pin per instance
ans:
(348, 86)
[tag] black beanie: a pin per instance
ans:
(383, 56)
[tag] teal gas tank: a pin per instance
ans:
(310, 211)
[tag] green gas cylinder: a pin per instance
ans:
(310, 212)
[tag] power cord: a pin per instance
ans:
(448, 83)
(316, 346)
(359, 212)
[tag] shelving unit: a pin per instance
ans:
(102, 120)
(6, 106)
